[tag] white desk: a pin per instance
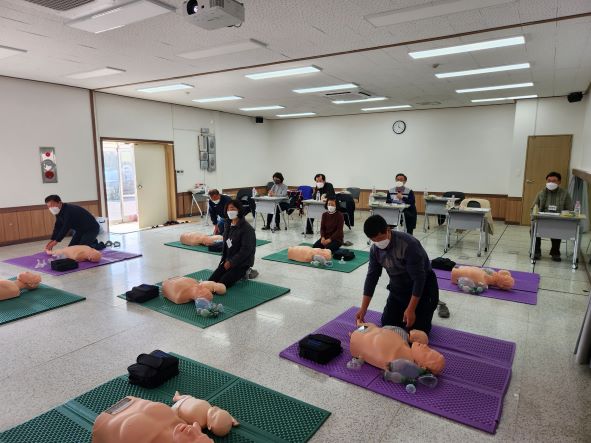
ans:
(468, 219)
(196, 198)
(436, 206)
(268, 205)
(392, 212)
(552, 225)
(314, 210)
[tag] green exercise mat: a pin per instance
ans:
(244, 295)
(264, 415)
(33, 302)
(201, 248)
(361, 258)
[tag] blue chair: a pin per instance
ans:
(306, 191)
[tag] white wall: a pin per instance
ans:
(37, 114)
(585, 143)
(449, 149)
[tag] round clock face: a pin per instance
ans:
(399, 127)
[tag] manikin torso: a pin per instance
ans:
(502, 279)
(306, 253)
(79, 253)
(12, 288)
(198, 238)
(184, 289)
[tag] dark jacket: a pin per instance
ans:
(327, 190)
(244, 242)
(73, 217)
(219, 209)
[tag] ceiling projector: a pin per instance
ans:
(213, 14)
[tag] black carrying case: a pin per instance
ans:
(153, 369)
(217, 246)
(64, 264)
(345, 254)
(444, 264)
(319, 348)
(142, 293)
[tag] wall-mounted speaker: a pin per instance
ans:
(574, 97)
(259, 119)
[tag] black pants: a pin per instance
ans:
(396, 305)
(228, 277)
(554, 250)
(410, 220)
(310, 226)
(87, 238)
(282, 206)
(333, 245)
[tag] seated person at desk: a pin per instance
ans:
(217, 213)
(331, 228)
(414, 292)
(279, 189)
(552, 199)
(322, 191)
(239, 247)
(401, 194)
(71, 217)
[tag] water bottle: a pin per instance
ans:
(578, 208)
(318, 195)
(426, 195)
(254, 192)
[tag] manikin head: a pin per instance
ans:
(400, 180)
(320, 179)
(376, 229)
(29, 279)
(184, 433)
(94, 255)
(278, 178)
(54, 203)
(553, 180)
(219, 421)
(428, 358)
(504, 280)
(214, 196)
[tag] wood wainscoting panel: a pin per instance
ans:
(25, 229)
(10, 222)
(38, 228)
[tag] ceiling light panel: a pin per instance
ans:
(470, 47)
(494, 88)
(483, 70)
(120, 16)
(385, 108)
(7, 51)
(326, 88)
(483, 100)
(218, 99)
(263, 108)
(232, 48)
(283, 73)
(298, 114)
(364, 100)
(96, 73)
(166, 88)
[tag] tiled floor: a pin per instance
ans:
(50, 358)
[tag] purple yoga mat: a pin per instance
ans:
(30, 261)
(524, 281)
(470, 389)
(529, 298)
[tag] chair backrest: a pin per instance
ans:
(270, 185)
(355, 192)
(294, 198)
(243, 195)
(473, 204)
(306, 191)
(460, 195)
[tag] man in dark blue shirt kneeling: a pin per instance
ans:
(71, 217)
(414, 293)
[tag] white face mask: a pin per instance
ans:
(551, 186)
(332, 209)
(215, 202)
(382, 244)
(399, 184)
(232, 214)
(55, 210)
(320, 185)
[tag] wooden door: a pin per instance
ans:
(545, 153)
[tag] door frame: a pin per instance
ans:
(529, 138)
(168, 164)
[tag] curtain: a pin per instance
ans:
(578, 191)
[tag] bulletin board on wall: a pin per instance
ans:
(207, 152)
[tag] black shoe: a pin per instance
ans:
(443, 310)
(277, 228)
(100, 246)
(266, 228)
(556, 258)
(538, 255)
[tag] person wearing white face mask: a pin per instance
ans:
(322, 191)
(401, 193)
(71, 217)
(331, 228)
(552, 199)
(217, 203)
(413, 290)
(239, 247)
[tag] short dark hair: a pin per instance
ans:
(53, 198)
(374, 225)
(279, 175)
(554, 174)
(322, 176)
(213, 192)
(237, 205)
(400, 173)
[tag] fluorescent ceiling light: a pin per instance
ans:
(326, 88)
(363, 100)
(263, 108)
(231, 48)
(482, 100)
(96, 73)
(500, 43)
(299, 114)
(494, 88)
(176, 87)
(383, 108)
(283, 73)
(430, 10)
(6, 51)
(218, 99)
(117, 17)
(483, 70)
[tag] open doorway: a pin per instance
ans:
(140, 186)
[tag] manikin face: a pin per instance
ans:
(184, 433)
